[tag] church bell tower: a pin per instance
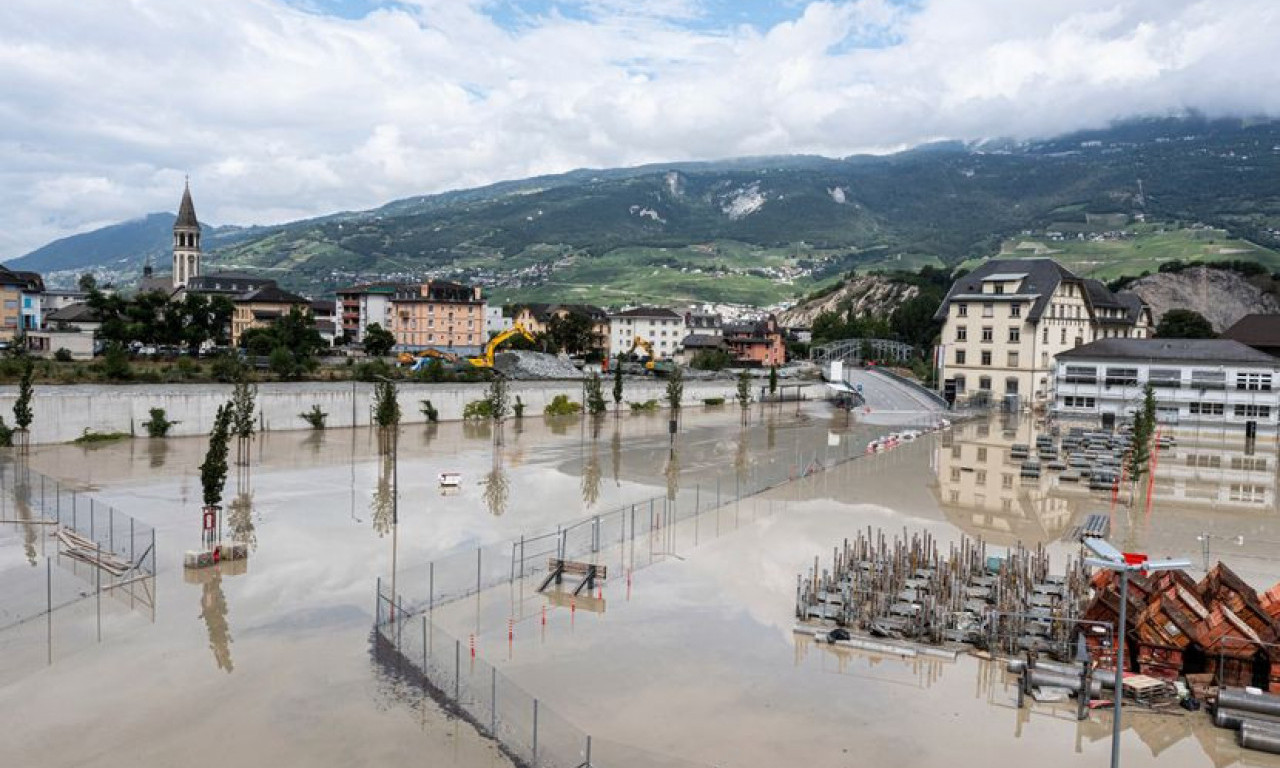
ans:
(186, 241)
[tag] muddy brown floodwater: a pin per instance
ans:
(268, 663)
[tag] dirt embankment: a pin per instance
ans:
(865, 294)
(1222, 296)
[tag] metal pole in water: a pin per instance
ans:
(587, 764)
(457, 669)
(424, 651)
(493, 701)
(431, 586)
(535, 732)
(1119, 682)
(98, 591)
(478, 551)
(48, 601)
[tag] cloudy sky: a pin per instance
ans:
(280, 109)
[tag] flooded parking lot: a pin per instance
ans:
(269, 661)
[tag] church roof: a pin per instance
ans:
(186, 210)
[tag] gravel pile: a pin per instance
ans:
(534, 365)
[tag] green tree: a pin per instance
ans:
(213, 472)
(386, 408)
(283, 363)
(87, 282)
(243, 399)
(115, 363)
(744, 389)
(158, 425)
(711, 360)
(1144, 425)
(22, 413)
(675, 388)
(773, 381)
(378, 341)
(595, 396)
(617, 384)
(1184, 324)
(498, 399)
(572, 333)
(429, 411)
(315, 417)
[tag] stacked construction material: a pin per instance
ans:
(904, 588)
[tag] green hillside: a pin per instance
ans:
(765, 229)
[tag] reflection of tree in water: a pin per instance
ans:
(591, 478)
(672, 472)
(771, 435)
(380, 509)
(240, 519)
(315, 441)
(22, 505)
(157, 452)
(615, 451)
(741, 459)
(429, 433)
(477, 429)
(213, 609)
(496, 487)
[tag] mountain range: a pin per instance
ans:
(751, 229)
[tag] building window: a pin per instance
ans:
(981, 477)
(1206, 409)
(1015, 335)
(1006, 480)
(1168, 378)
(1208, 379)
(988, 334)
(982, 453)
(984, 383)
(1046, 335)
(955, 476)
(999, 289)
(960, 356)
(962, 310)
(1015, 309)
(1254, 382)
(986, 358)
(1013, 359)
(1253, 412)
(1249, 463)
(988, 309)
(1011, 386)
(955, 451)
(1064, 336)
(962, 333)
(1081, 374)
(1122, 377)
(1249, 493)
(1078, 402)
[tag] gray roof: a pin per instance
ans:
(1172, 350)
(702, 341)
(1256, 331)
(1041, 279)
(186, 211)
(80, 312)
(272, 294)
(661, 312)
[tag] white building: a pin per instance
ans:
(1006, 321)
(1198, 384)
(662, 328)
(495, 321)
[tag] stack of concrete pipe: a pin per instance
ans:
(1255, 715)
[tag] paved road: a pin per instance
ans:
(883, 393)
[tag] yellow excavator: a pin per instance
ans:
(407, 358)
(653, 363)
(486, 360)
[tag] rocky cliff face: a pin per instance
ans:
(865, 294)
(1222, 296)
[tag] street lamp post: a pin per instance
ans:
(1107, 556)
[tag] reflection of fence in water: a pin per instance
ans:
(94, 555)
(410, 644)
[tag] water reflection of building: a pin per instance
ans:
(980, 489)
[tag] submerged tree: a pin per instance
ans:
(675, 388)
(243, 399)
(595, 396)
(1144, 427)
(213, 472)
(386, 413)
(744, 392)
(617, 386)
(22, 413)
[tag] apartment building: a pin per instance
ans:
(1197, 383)
(662, 328)
(537, 318)
(365, 304)
(1006, 322)
(261, 308)
(20, 302)
(438, 313)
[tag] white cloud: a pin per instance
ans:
(277, 112)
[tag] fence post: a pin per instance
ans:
(535, 733)
(457, 670)
(493, 701)
(431, 586)
(425, 674)
(478, 551)
(377, 604)
(48, 601)
(111, 527)
(587, 764)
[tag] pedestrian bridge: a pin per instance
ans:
(851, 351)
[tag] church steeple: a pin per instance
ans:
(186, 241)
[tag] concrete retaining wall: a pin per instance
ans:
(63, 413)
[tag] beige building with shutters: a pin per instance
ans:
(1005, 322)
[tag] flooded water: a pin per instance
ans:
(268, 662)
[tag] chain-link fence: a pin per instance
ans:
(530, 731)
(74, 564)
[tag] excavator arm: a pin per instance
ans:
(486, 360)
